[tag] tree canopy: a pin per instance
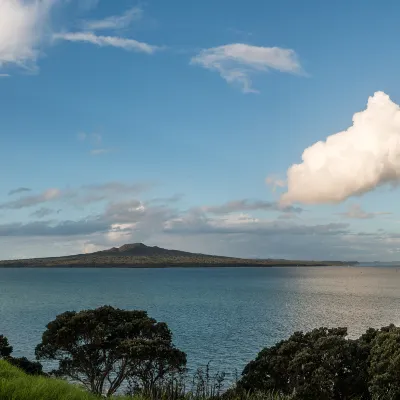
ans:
(318, 365)
(105, 347)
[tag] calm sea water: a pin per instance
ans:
(222, 315)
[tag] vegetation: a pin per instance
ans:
(16, 385)
(29, 367)
(139, 255)
(107, 349)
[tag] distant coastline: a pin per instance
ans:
(138, 255)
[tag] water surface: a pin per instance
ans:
(222, 315)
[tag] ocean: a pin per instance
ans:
(224, 316)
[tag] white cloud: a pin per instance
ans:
(239, 234)
(352, 162)
(236, 62)
(102, 41)
(115, 22)
(118, 232)
(22, 31)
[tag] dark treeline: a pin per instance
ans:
(107, 349)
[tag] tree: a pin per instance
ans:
(318, 365)
(29, 367)
(5, 348)
(152, 362)
(102, 348)
(384, 363)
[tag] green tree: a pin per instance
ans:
(29, 367)
(318, 365)
(104, 347)
(5, 348)
(384, 363)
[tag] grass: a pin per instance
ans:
(16, 385)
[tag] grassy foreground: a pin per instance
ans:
(16, 385)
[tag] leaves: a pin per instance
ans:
(5, 348)
(321, 364)
(102, 348)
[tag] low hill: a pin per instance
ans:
(138, 255)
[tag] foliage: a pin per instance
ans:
(105, 347)
(318, 365)
(29, 367)
(5, 348)
(384, 367)
(16, 385)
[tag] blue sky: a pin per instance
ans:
(174, 114)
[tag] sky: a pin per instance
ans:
(266, 129)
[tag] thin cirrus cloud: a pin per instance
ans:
(18, 190)
(237, 62)
(98, 152)
(107, 41)
(114, 22)
(95, 140)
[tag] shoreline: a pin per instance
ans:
(135, 266)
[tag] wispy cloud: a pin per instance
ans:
(248, 205)
(43, 212)
(275, 182)
(356, 212)
(237, 62)
(107, 41)
(86, 194)
(98, 152)
(19, 190)
(4, 75)
(29, 201)
(114, 22)
(95, 140)
(22, 31)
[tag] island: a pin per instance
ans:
(138, 255)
